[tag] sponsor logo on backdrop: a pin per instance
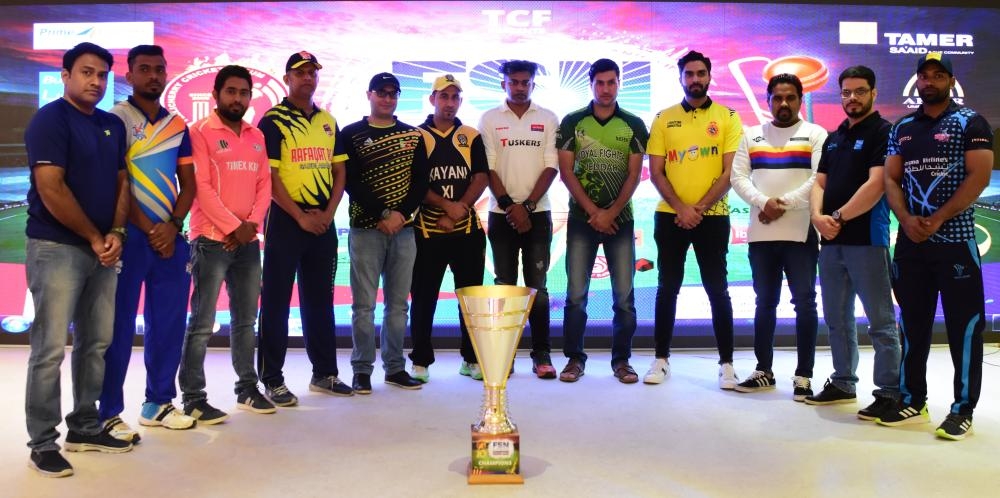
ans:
(190, 93)
(499, 20)
(911, 97)
(921, 43)
(110, 35)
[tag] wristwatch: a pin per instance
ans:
(121, 232)
(529, 205)
(178, 222)
(838, 218)
(386, 213)
(504, 201)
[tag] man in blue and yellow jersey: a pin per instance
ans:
(307, 183)
(448, 231)
(691, 149)
(600, 160)
(155, 253)
(387, 180)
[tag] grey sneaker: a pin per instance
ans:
(281, 396)
(330, 385)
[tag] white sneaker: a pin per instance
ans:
(420, 373)
(727, 377)
(118, 429)
(165, 415)
(659, 371)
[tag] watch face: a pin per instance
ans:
(836, 215)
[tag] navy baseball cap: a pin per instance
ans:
(937, 57)
(300, 58)
(381, 80)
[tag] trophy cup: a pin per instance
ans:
(495, 316)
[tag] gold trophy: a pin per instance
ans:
(495, 316)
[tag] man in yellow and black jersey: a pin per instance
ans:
(387, 180)
(448, 231)
(307, 183)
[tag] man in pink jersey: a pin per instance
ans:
(234, 192)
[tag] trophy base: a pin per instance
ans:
(496, 459)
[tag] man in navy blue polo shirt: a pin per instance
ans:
(939, 162)
(77, 205)
(851, 214)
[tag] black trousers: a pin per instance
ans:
(465, 254)
(920, 273)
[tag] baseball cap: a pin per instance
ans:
(445, 81)
(937, 57)
(300, 58)
(381, 80)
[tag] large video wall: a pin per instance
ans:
(420, 40)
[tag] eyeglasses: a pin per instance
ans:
(390, 94)
(859, 92)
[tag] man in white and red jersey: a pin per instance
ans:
(520, 141)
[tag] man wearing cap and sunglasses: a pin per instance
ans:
(386, 179)
(307, 183)
(939, 162)
(449, 233)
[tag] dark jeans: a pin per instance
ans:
(797, 261)
(465, 254)
(711, 244)
(582, 243)
(920, 272)
(291, 251)
(534, 249)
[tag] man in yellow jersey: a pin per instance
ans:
(691, 149)
(307, 183)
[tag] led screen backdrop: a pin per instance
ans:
(420, 40)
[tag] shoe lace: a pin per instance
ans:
(802, 382)
(282, 389)
(954, 418)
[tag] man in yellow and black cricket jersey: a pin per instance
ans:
(387, 181)
(448, 231)
(307, 173)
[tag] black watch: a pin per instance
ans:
(504, 201)
(529, 205)
(178, 222)
(838, 217)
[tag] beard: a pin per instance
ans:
(232, 115)
(151, 96)
(696, 93)
(865, 108)
(933, 96)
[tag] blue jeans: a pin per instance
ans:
(534, 247)
(797, 260)
(376, 255)
(846, 271)
(67, 284)
(581, 252)
(211, 265)
(167, 283)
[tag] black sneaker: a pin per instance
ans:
(281, 396)
(756, 382)
(801, 388)
(330, 385)
(830, 395)
(955, 427)
(403, 380)
(50, 463)
(102, 441)
(881, 406)
(362, 383)
(205, 413)
(905, 415)
(252, 400)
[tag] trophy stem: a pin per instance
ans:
(494, 418)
